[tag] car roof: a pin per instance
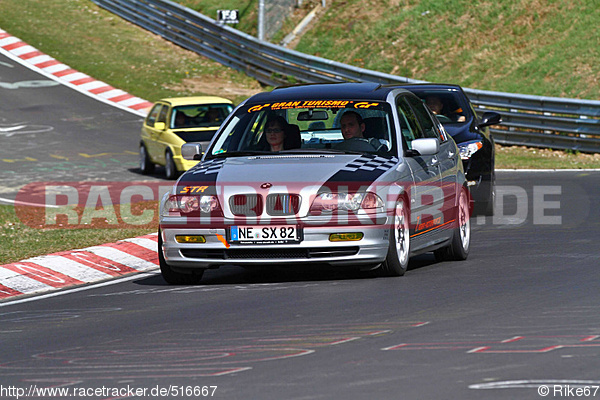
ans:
(318, 91)
(192, 100)
(440, 86)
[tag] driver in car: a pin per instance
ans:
(353, 128)
(436, 106)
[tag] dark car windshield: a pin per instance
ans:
(199, 115)
(449, 105)
(306, 126)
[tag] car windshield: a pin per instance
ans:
(448, 105)
(199, 116)
(307, 126)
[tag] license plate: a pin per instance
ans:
(280, 234)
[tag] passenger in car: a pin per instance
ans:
(275, 133)
(279, 135)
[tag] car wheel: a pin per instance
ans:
(146, 165)
(458, 249)
(170, 168)
(396, 261)
(172, 277)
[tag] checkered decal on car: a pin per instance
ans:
(370, 163)
(209, 167)
(362, 171)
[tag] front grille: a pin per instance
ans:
(280, 204)
(246, 205)
(277, 204)
(287, 253)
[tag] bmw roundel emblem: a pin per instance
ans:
(266, 185)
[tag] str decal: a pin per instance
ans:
(192, 189)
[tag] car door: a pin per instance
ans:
(426, 196)
(449, 165)
(151, 135)
(446, 160)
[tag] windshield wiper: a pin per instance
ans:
(244, 153)
(247, 153)
(318, 151)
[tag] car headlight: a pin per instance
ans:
(330, 202)
(467, 149)
(178, 204)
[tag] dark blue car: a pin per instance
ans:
(470, 132)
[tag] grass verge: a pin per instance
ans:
(20, 240)
(520, 157)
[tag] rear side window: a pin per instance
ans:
(153, 114)
(162, 115)
(429, 130)
(411, 129)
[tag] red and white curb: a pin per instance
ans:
(49, 273)
(94, 264)
(30, 57)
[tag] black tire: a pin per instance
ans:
(486, 207)
(172, 277)
(396, 261)
(170, 167)
(459, 247)
(146, 165)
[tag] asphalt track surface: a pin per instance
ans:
(50, 132)
(520, 315)
(522, 312)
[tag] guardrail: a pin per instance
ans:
(527, 120)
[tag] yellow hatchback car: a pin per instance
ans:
(174, 121)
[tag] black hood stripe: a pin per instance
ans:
(365, 168)
(204, 173)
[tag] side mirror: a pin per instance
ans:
(425, 146)
(191, 151)
(160, 126)
(490, 118)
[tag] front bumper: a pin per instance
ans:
(315, 247)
